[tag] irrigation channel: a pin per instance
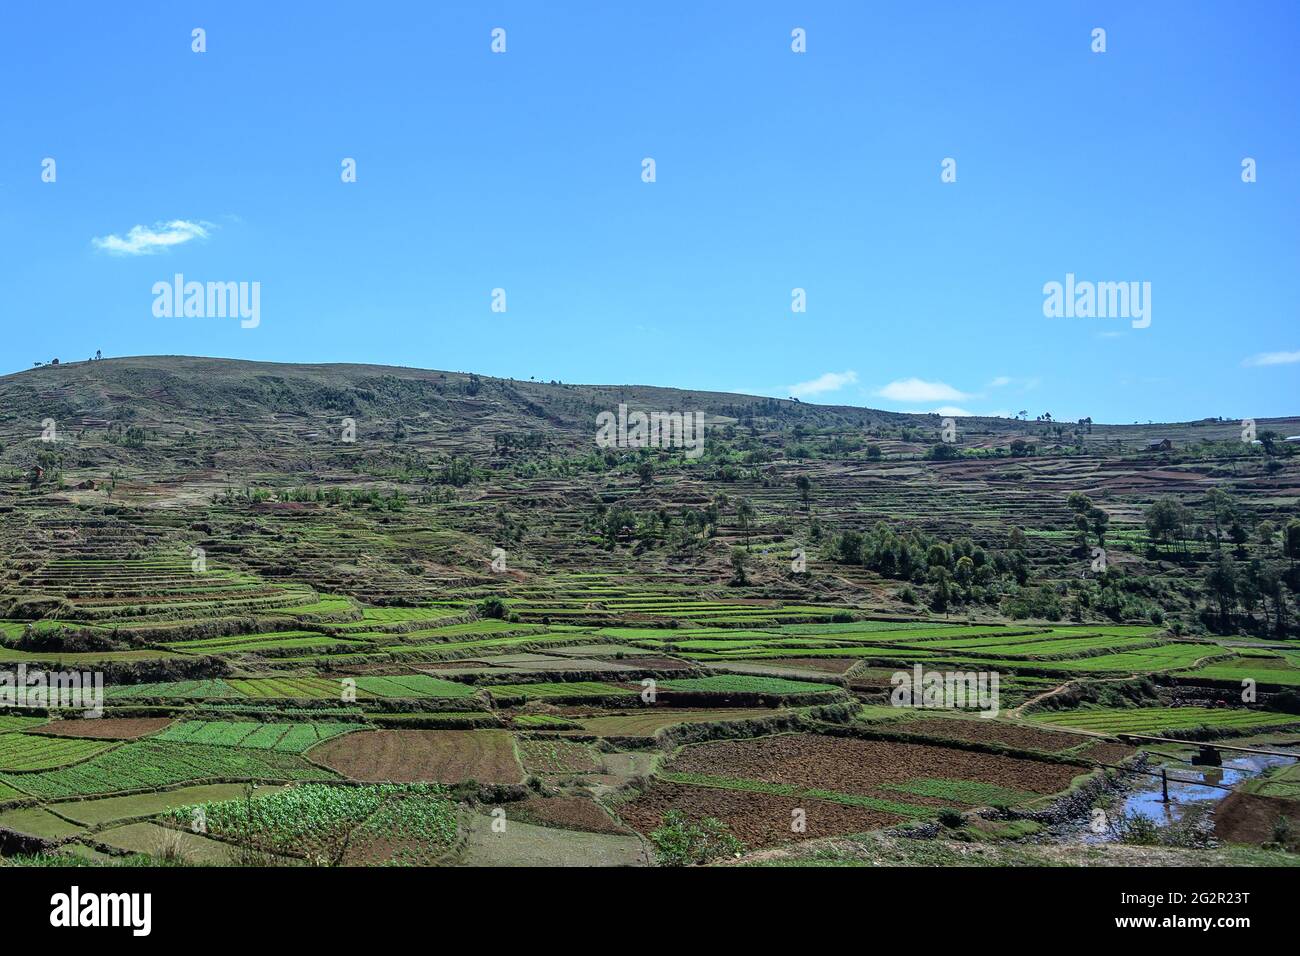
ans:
(1195, 788)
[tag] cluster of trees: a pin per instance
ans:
(684, 530)
(1087, 518)
(131, 437)
(376, 498)
(955, 571)
(1246, 572)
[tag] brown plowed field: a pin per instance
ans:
(557, 756)
(409, 756)
(567, 813)
(849, 765)
(994, 732)
(106, 728)
(1104, 751)
(756, 819)
(1250, 818)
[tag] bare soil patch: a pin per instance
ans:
(849, 765)
(1250, 818)
(106, 728)
(756, 819)
(569, 813)
(409, 756)
(995, 732)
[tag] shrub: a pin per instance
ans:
(492, 607)
(682, 843)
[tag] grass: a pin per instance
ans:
(283, 738)
(1114, 720)
(415, 823)
(745, 684)
(24, 752)
(969, 792)
(103, 810)
(899, 808)
(1262, 670)
(186, 689)
(553, 691)
(150, 764)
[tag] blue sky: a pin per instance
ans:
(774, 171)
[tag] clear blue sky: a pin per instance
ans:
(774, 171)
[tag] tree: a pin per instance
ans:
(1100, 522)
(745, 515)
(1166, 520)
(1221, 583)
(964, 572)
(1220, 503)
(739, 561)
(804, 484)
(937, 556)
(1238, 535)
(646, 472)
(1081, 526)
(941, 596)
(492, 607)
(1291, 541)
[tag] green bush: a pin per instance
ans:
(682, 843)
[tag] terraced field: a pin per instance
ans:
(1154, 720)
(314, 647)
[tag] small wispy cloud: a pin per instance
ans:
(826, 382)
(919, 390)
(1272, 358)
(147, 240)
(953, 411)
(1000, 382)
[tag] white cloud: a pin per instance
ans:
(146, 240)
(919, 390)
(826, 382)
(1000, 381)
(953, 411)
(1273, 358)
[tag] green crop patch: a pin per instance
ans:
(900, 808)
(412, 824)
(22, 752)
(150, 764)
(292, 688)
(285, 738)
(1138, 720)
(414, 685)
(566, 689)
(183, 689)
(745, 684)
(968, 792)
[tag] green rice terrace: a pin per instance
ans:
(470, 637)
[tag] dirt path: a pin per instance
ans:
(1018, 712)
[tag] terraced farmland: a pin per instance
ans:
(321, 659)
(1152, 720)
